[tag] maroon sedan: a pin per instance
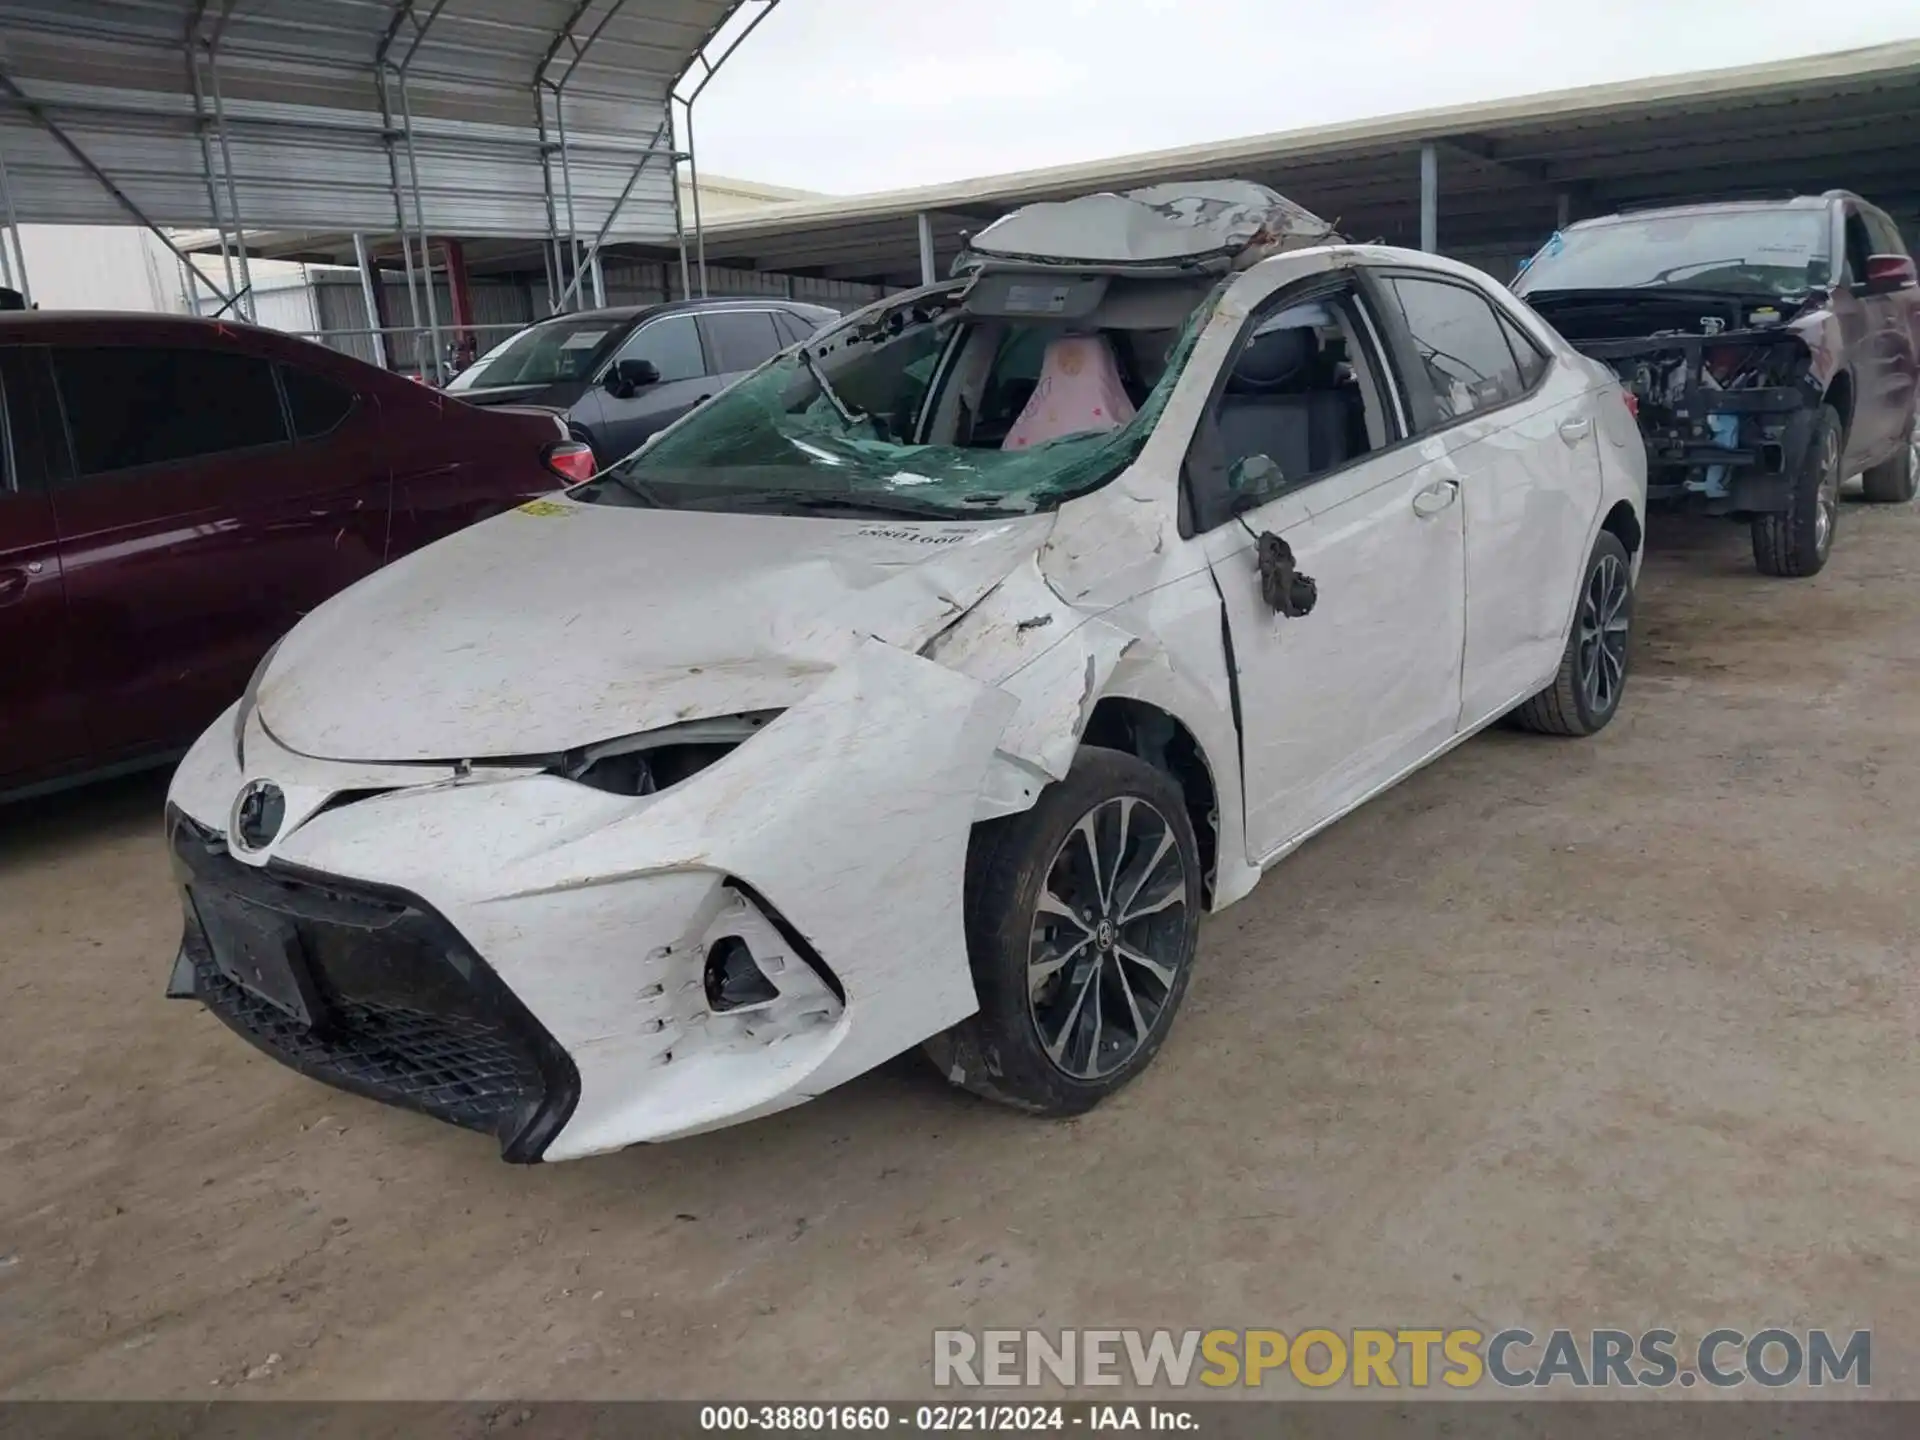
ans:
(175, 494)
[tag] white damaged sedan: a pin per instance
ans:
(923, 689)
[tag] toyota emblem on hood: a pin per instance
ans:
(258, 813)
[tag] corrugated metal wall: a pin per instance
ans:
(643, 282)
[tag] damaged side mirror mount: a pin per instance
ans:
(1286, 591)
(1253, 478)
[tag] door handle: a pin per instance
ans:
(1435, 498)
(1575, 430)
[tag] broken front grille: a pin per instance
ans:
(405, 1011)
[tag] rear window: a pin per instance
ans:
(740, 339)
(131, 406)
(1771, 252)
(319, 405)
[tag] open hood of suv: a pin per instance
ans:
(563, 624)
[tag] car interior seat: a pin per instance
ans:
(1079, 392)
(1276, 404)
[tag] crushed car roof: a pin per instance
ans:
(1180, 226)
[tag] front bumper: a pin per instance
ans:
(408, 1013)
(832, 845)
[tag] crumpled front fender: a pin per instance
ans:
(850, 815)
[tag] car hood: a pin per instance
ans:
(563, 623)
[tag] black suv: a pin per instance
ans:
(621, 374)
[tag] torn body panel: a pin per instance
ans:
(600, 911)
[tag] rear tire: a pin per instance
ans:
(1795, 542)
(1082, 918)
(1892, 481)
(1585, 694)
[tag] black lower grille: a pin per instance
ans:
(404, 1011)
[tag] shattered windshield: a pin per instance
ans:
(923, 410)
(549, 353)
(1774, 252)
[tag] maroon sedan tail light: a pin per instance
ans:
(571, 461)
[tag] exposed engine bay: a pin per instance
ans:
(1723, 390)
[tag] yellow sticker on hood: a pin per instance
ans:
(544, 507)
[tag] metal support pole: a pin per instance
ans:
(206, 150)
(566, 181)
(679, 218)
(556, 277)
(708, 69)
(25, 286)
(233, 194)
(1429, 199)
(388, 135)
(599, 281)
(600, 238)
(66, 142)
(366, 297)
(923, 222)
(693, 184)
(1562, 210)
(420, 214)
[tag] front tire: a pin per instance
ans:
(1796, 542)
(1082, 918)
(1892, 481)
(1585, 693)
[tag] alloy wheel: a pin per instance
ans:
(1827, 499)
(1603, 635)
(1108, 937)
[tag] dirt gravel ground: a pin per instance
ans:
(1611, 1033)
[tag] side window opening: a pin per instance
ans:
(1859, 247)
(672, 344)
(129, 406)
(1300, 400)
(318, 405)
(1527, 355)
(740, 340)
(1457, 335)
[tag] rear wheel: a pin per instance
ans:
(1593, 669)
(1082, 915)
(1891, 482)
(1795, 542)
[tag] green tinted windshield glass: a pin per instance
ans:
(832, 429)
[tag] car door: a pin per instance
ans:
(196, 527)
(617, 420)
(1337, 701)
(1878, 347)
(1894, 316)
(1520, 431)
(42, 725)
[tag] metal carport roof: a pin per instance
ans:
(515, 118)
(1849, 119)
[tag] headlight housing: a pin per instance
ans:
(249, 697)
(656, 760)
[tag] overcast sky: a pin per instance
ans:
(856, 95)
